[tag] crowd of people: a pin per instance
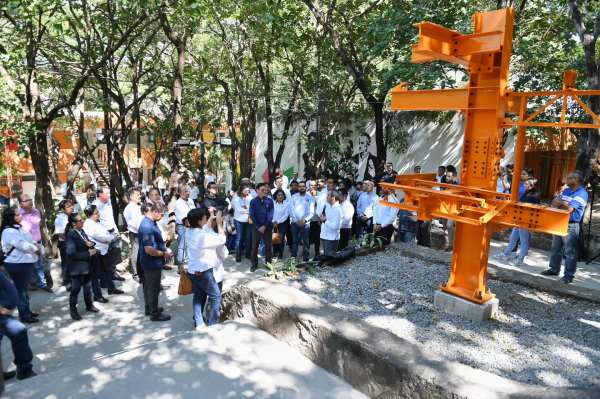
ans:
(325, 214)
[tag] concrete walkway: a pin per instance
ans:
(119, 352)
(537, 260)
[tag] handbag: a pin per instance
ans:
(112, 258)
(185, 284)
(277, 236)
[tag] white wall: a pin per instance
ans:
(430, 145)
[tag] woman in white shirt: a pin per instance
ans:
(203, 267)
(98, 234)
(21, 253)
(281, 220)
(60, 224)
(243, 229)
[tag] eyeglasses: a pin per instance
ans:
(79, 221)
(29, 200)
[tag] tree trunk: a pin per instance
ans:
(53, 157)
(588, 143)
(379, 140)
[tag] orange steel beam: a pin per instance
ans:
(475, 205)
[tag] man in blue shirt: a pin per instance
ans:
(152, 258)
(261, 214)
(573, 199)
(14, 330)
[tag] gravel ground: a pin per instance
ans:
(536, 337)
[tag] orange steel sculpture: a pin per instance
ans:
(475, 205)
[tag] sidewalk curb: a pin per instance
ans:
(504, 275)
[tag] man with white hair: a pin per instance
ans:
(284, 178)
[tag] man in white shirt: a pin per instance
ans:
(279, 186)
(440, 177)
(133, 216)
(107, 219)
(210, 178)
(364, 209)
(295, 178)
(331, 220)
(301, 211)
(161, 183)
(194, 192)
(384, 217)
(181, 208)
(284, 178)
(347, 215)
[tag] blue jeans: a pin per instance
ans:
(202, 284)
(363, 227)
(181, 257)
(40, 279)
(297, 234)
(568, 245)
(243, 233)
(21, 275)
(517, 234)
(4, 201)
(407, 237)
(17, 334)
(278, 248)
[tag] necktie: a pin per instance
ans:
(85, 237)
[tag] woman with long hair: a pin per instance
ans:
(21, 253)
(531, 195)
(243, 229)
(80, 250)
(205, 266)
(281, 220)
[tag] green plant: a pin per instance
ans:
(80, 185)
(370, 240)
(273, 271)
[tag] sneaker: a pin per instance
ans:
(516, 262)
(549, 272)
(566, 280)
(501, 256)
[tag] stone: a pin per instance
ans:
(463, 307)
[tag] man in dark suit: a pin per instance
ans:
(80, 250)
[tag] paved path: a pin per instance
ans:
(537, 260)
(119, 352)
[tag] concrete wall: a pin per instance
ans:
(430, 145)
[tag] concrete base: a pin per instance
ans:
(463, 307)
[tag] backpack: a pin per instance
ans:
(3, 256)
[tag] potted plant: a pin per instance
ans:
(79, 186)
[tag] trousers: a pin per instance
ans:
(152, 290)
(21, 275)
(85, 281)
(17, 334)
(267, 236)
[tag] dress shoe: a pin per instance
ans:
(164, 287)
(103, 284)
(101, 299)
(33, 287)
(8, 375)
(549, 272)
(162, 317)
(247, 256)
(136, 278)
(34, 314)
(47, 289)
(238, 258)
(165, 267)
(116, 277)
(69, 285)
(92, 309)
(566, 280)
(160, 309)
(253, 268)
(115, 292)
(29, 319)
(25, 375)
(75, 316)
